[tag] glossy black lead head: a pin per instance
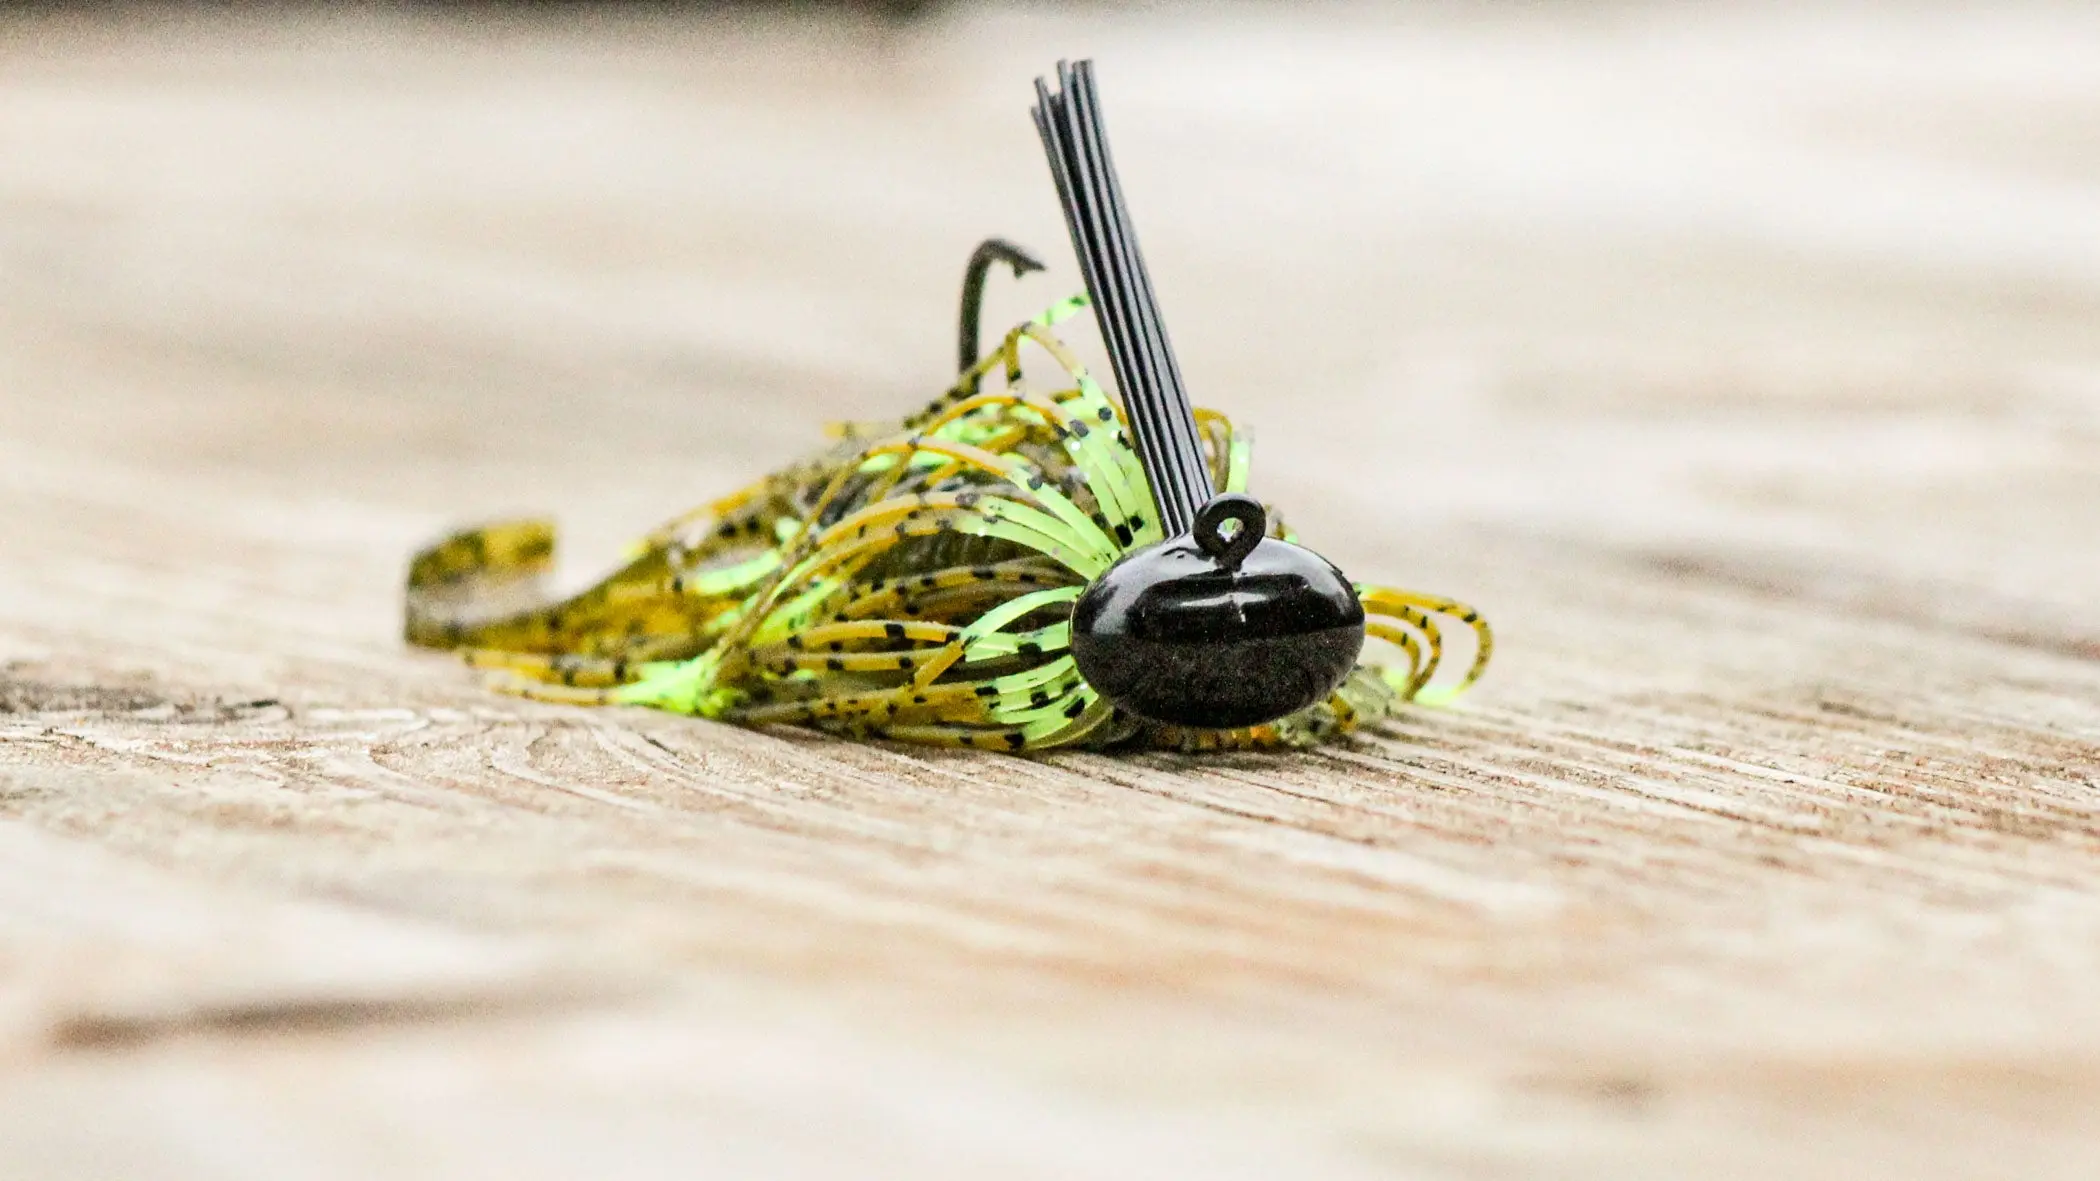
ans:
(1219, 626)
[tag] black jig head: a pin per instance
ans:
(1220, 625)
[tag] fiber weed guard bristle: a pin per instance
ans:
(1010, 568)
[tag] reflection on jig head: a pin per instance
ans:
(1219, 625)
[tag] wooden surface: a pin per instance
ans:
(1745, 368)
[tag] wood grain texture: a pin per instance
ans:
(1744, 367)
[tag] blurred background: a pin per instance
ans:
(1818, 277)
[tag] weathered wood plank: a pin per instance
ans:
(1760, 417)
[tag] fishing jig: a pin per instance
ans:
(1015, 568)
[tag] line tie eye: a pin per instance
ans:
(1230, 526)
